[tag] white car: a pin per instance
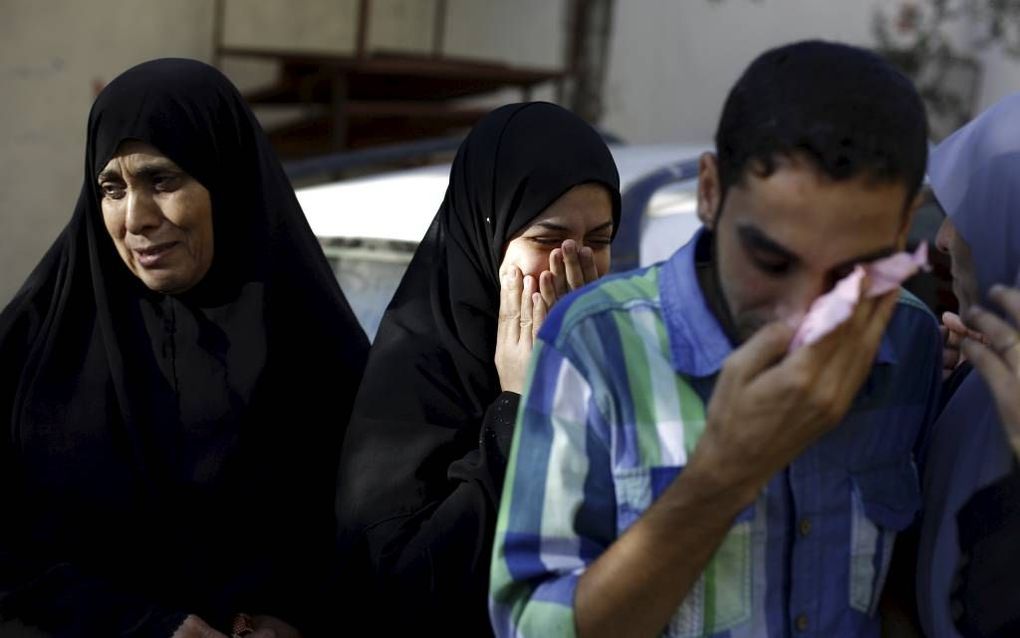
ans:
(369, 227)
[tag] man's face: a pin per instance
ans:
(783, 240)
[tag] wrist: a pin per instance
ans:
(720, 470)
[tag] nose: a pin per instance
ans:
(142, 212)
(800, 294)
(944, 237)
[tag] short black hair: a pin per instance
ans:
(845, 108)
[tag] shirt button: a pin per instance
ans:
(805, 526)
(802, 622)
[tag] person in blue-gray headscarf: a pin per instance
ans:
(969, 567)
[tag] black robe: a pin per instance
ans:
(986, 593)
(426, 449)
(171, 455)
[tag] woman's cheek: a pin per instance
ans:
(531, 260)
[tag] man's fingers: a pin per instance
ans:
(762, 350)
(572, 263)
(588, 268)
(852, 349)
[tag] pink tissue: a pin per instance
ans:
(836, 306)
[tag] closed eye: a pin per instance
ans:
(771, 266)
(546, 241)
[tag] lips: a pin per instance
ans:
(153, 256)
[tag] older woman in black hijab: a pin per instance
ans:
(172, 377)
(533, 202)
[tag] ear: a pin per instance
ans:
(908, 217)
(709, 190)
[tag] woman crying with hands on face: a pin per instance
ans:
(532, 206)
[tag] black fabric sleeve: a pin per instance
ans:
(985, 599)
(434, 565)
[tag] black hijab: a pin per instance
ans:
(431, 375)
(175, 453)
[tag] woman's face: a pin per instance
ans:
(965, 285)
(584, 214)
(159, 217)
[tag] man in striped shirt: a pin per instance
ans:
(674, 470)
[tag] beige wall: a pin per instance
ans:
(672, 63)
(51, 54)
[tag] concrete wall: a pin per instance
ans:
(51, 55)
(672, 63)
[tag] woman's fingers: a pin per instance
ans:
(588, 268)
(526, 310)
(1004, 383)
(958, 329)
(572, 263)
(547, 288)
(559, 272)
(510, 306)
(1001, 337)
(541, 310)
(1009, 300)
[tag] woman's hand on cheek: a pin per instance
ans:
(522, 310)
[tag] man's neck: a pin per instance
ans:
(708, 281)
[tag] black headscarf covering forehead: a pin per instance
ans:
(133, 414)
(431, 374)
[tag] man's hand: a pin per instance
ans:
(766, 409)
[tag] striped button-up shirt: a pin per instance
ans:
(614, 406)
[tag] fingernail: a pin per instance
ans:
(997, 289)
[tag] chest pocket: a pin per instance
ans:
(885, 500)
(721, 598)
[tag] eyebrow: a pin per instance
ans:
(147, 170)
(863, 259)
(760, 241)
(563, 229)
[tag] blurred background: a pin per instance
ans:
(351, 89)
